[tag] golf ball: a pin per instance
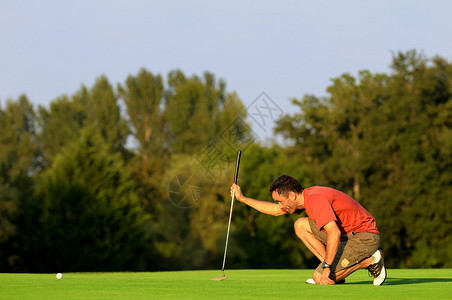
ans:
(59, 276)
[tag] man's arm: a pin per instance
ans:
(265, 207)
(332, 244)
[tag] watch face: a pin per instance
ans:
(325, 265)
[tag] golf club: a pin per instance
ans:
(239, 153)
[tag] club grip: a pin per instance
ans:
(237, 164)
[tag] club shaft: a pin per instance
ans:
(237, 165)
(227, 235)
(236, 175)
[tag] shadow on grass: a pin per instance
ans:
(403, 281)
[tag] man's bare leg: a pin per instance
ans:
(344, 273)
(304, 232)
(361, 265)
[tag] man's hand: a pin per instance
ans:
(325, 278)
(238, 192)
(332, 243)
(265, 207)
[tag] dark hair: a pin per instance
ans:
(285, 184)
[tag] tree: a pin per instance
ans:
(143, 96)
(382, 139)
(90, 218)
(417, 166)
(19, 161)
(259, 240)
(97, 107)
(191, 109)
(19, 155)
(60, 124)
(168, 150)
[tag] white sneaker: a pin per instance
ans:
(377, 268)
(311, 281)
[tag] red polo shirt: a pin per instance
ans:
(324, 204)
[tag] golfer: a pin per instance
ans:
(340, 232)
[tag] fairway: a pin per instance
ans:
(242, 284)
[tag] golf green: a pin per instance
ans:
(242, 284)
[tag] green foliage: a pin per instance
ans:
(103, 113)
(385, 139)
(193, 215)
(91, 219)
(138, 178)
(143, 96)
(97, 108)
(8, 209)
(266, 241)
(60, 125)
(19, 151)
(195, 111)
(19, 162)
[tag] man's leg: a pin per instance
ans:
(355, 248)
(360, 248)
(304, 232)
(345, 272)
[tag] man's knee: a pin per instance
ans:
(302, 226)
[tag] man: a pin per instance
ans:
(338, 231)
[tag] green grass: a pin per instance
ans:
(241, 284)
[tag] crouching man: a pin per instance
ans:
(340, 232)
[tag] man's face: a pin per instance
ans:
(286, 204)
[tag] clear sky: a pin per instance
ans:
(283, 48)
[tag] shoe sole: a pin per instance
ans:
(311, 281)
(386, 276)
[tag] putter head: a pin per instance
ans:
(220, 278)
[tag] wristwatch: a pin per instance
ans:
(325, 265)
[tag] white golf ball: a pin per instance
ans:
(59, 276)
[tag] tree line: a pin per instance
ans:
(136, 176)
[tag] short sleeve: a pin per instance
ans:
(321, 211)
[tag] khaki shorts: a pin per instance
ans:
(353, 248)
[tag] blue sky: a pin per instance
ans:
(283, 48)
